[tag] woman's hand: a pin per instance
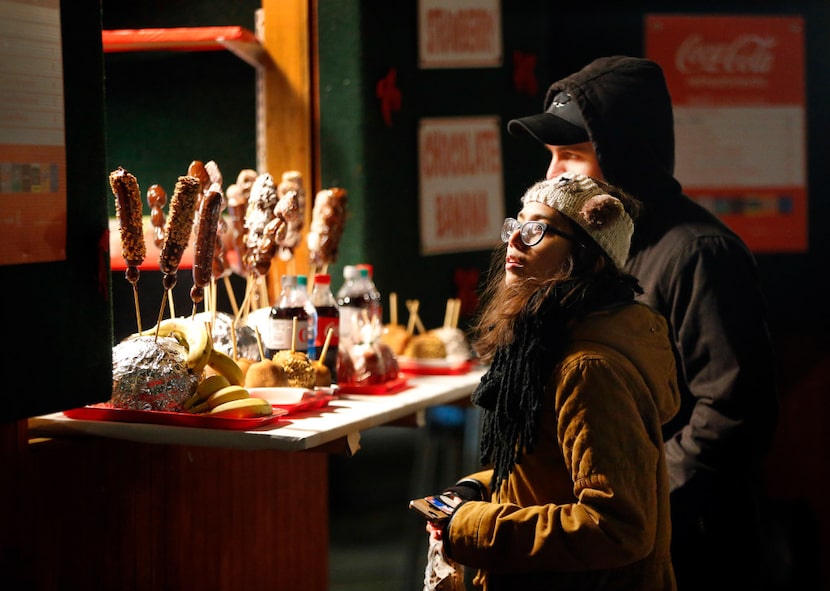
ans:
(434, 531)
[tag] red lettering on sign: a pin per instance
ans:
(460, 31)
(461, 214)
(462, 153)
(745, 54)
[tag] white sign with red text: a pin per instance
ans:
(461, 200)
(459, 33)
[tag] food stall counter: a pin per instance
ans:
(344, 417)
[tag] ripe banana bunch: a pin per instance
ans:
(217, 396)
(191, 334)
(220, 392)
(223, 364)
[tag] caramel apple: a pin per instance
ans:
(425, 346)
(396, 336)
(244, 364)
(265, 374)
(322, 374)
(298, 368)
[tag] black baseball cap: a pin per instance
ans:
(560, 125)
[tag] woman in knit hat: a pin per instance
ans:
(581, 378)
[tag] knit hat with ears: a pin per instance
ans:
(587, 202)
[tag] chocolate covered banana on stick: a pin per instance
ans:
(291, 191)
(131, 222)
(210, 208)
(327, 220)
(157, 199)
(177, 232)
(260, 212)
(237, 196)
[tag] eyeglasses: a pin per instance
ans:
(531, 232)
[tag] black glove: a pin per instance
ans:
(468, 489)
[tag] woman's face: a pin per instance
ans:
(543, 259)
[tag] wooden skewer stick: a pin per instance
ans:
(414, 319)
(259, 343)
(246, 302)
(233, 340)
(171, 303)
(420, 325)
(161, 314)
(410, 325)
(393, 308)
(263, 292)
(448, 313)
(294, 335)
(456, 313)
(231, 295)
(325, 349)
(137, 307)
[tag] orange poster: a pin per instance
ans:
(738, 88)
(32, 144)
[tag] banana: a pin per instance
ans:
(243, 408)
(201, 407)
(193, 335)
(211, 384)
(206, 387)
(227, 394)
(226, 366)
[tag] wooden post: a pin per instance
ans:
(285, 90)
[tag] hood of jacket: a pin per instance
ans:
(640, 335)
(627, 110)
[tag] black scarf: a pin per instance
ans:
(511, 391)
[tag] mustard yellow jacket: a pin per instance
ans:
(589, 507)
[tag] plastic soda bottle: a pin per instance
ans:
(294, 302)
(328, 317)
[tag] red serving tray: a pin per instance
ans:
(399, 384)
(103, 411)
(435, 368)
(305, 405)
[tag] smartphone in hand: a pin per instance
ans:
(436, 508)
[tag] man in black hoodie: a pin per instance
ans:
(613, 120)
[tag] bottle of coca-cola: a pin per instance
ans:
(328, 317)
(360, 305)
(367, 276)
(294, 302)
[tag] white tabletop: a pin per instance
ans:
(344, 417)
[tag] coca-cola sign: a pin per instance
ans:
(737, 87)
(745, 54)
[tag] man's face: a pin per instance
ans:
(579, 158)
